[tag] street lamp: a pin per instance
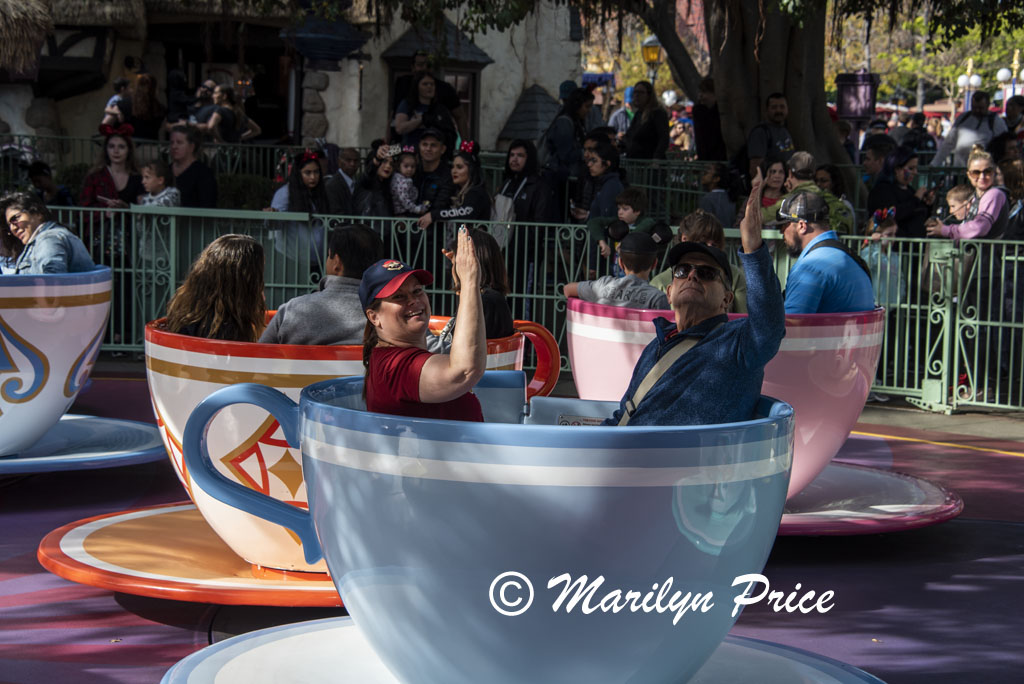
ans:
(650, 50)
(1005, 76)
(967, 81)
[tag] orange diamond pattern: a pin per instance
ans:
(289, 471)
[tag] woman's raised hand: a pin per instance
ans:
(466, 265)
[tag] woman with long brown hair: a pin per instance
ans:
(222, 297)
(142, 110)
(114, 180)
(229, 122)
(647, 136)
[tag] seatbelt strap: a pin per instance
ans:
(653, 375)
(837, 244)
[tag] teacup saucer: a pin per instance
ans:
(171, 552)
(848, 499)
(82, 442)
(334, 650)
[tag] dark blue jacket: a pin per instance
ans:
(719, 379)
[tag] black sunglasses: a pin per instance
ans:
(705, 273)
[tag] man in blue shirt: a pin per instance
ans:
(718, 379)
(826, 277)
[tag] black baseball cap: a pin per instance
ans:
(661, 234)
(803, 206)
(684, 248)
(616, 230)
(385, 277)
(638, 242)
(432, 133)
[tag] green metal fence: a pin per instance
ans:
(73, 155)
(955, 329)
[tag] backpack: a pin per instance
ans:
(921, 142)
(503, 212)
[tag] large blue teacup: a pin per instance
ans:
(422, 521)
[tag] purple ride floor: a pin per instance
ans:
(936, 605)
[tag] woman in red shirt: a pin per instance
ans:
(402, 377)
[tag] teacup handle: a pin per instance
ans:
(202, 471)
(549, 360)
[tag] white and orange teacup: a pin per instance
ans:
(246, 442)
(51, 328)
(824, 369)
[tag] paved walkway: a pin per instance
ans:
(1001, 425)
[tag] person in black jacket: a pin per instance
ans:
(531, 200)
(341, 186)
(647, 137)
(707, 124)
(895, 189)
(562, 145)
(470, 200)
(194, 179)
(373, 191)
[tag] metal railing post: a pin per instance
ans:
(938, 385)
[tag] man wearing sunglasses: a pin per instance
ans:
(827, 277)
(703, 368)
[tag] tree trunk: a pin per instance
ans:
(660, 18)
(787, 59)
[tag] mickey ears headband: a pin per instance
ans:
(881, 215)
(469, 147)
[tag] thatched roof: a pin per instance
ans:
(24, 25)
(128, 16)
(183, 10)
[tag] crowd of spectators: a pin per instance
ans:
(427, 171)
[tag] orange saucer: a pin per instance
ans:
(170, 552)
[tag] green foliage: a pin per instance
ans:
(948, 19)
(244, 191)
(943, 62)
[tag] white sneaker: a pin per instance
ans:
(878, 397)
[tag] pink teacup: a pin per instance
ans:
(824, 369)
